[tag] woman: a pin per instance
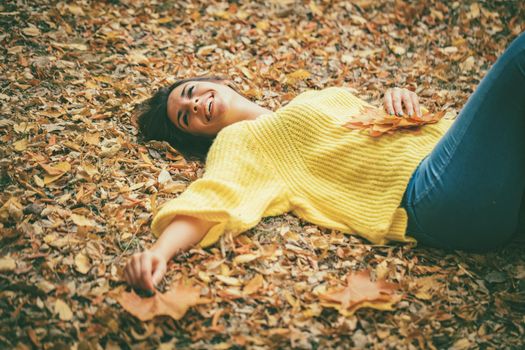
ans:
(455, 185)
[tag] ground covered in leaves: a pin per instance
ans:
(77, 190)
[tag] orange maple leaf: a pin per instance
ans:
(361, 292)
(379, 122)
(174, 303)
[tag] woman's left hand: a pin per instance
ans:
(395, 97)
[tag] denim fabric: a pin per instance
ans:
(468, 193)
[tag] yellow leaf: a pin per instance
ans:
(92, 138)
(59, 168)
(247, 73)
(262, 25)
(164, 20)
(244, 258)
(175, 187)
(291, 300)
(297, 76)
(80, 220)
(82, 263)
(145, 158)
(11, 209)
(31, 31)
(90, 169)
(398, 50)
(206, 50)
(203, 276)
(72, 145)
(137, 57)
(71, 46)
(24, 127)
(38, 181)
(75, 10)
(232, 281)
(63, 310)
(253, 285)
(7, 264)
(55, 172)
(20, 145)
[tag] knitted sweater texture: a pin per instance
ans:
(302, 159)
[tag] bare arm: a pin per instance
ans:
(145, 269)
(183, 233)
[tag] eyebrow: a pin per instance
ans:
(179, 114)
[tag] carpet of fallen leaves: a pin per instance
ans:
(78, 190)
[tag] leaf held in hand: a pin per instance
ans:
(173, 303)
(378, 122)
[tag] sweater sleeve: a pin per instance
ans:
(237, 189)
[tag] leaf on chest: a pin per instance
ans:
(377, 122)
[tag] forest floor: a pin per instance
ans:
(78, 189)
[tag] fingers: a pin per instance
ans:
(415, 103)
(160, 270)
(395, 98)
(388, 102)
(136, 271)
(145, 272)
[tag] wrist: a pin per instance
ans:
(160, 252)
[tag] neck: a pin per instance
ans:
(248, 110)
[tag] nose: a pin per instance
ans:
(195, 104)
(192, 104)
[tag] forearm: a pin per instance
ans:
(180, 235)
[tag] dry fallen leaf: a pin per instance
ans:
(11, 209)
(298, 75)
(82, 263)
(63, 310)
(361, 292)
(253, 285)
(80, 220)
(174, 303)
(378, 122)
(7, 264)
(54, 172)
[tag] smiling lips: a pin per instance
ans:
(209, 107)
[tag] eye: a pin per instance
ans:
(191, 90)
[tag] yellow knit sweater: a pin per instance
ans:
(301, 159)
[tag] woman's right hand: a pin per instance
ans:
(145, 270)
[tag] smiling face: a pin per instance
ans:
(203, 108)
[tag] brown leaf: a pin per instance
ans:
(173, 303)
(361, 292)
(379, 122)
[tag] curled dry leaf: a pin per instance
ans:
(55, 172)
(361, 292)
(173, 303)
(11, 209)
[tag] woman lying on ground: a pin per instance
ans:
(453, 185)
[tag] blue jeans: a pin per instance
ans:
(468, 193)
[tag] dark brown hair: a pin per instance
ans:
(154, 123)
